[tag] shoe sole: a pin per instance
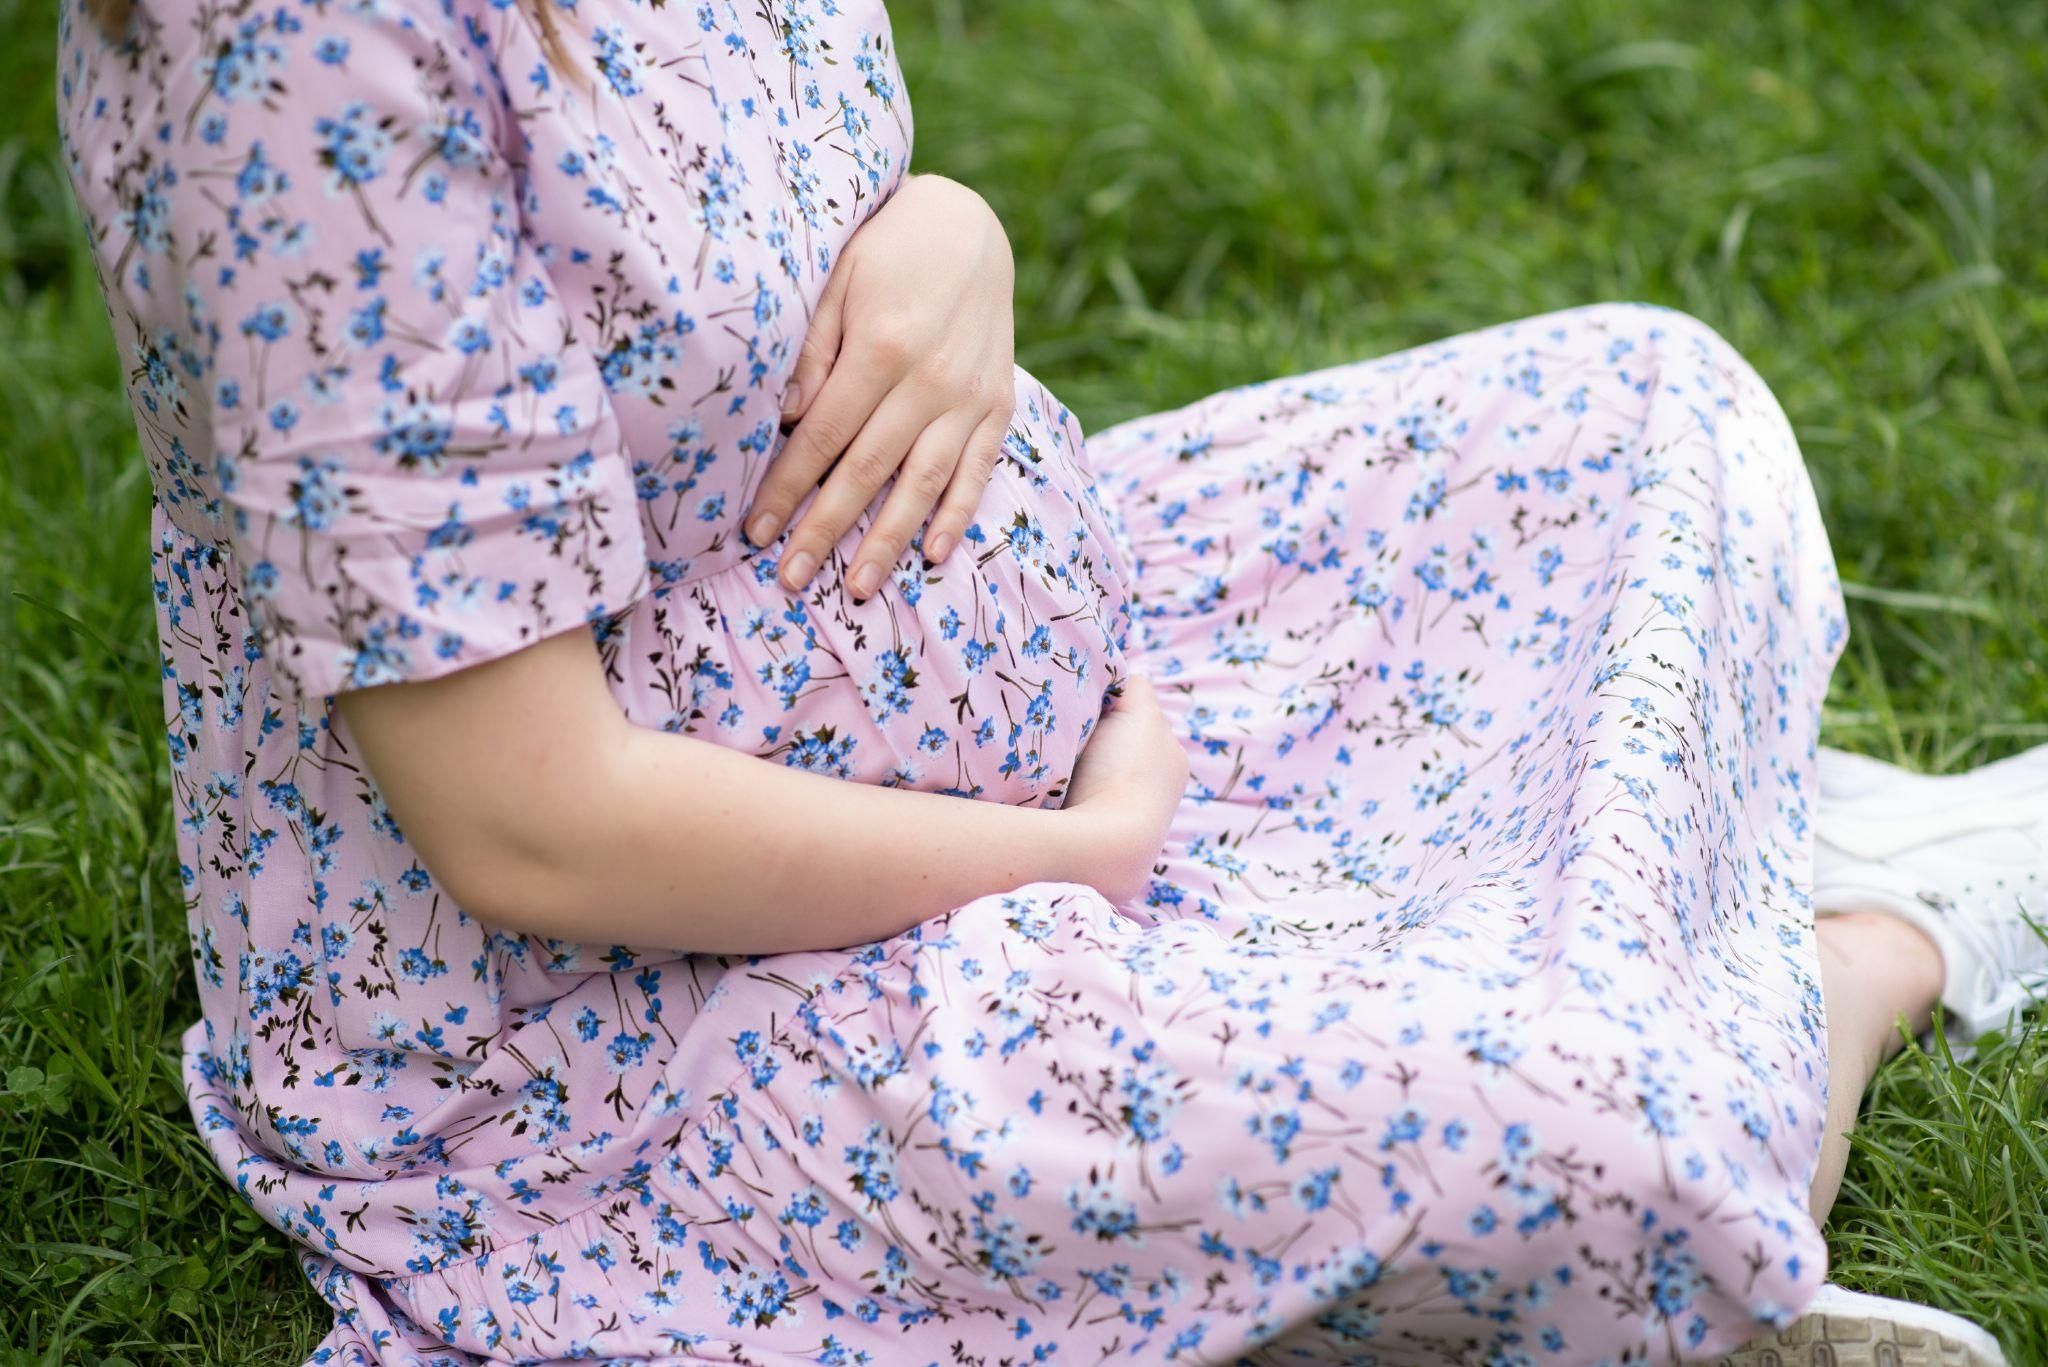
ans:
(1865, 1340)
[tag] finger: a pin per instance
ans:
(970, 481)
(1138, 694)
(867, 465)
(821, 346)
(829, 427)
(925, 475)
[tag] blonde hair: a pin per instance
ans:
(114, 17)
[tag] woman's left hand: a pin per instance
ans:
(906, 371)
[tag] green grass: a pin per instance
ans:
(1201, 192)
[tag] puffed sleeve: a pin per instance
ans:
(416, 464)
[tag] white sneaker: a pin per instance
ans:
(1849, 1329)
(1848, 778)
(1964, 857)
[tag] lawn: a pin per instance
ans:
(1201, 192)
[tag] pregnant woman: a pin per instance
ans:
(715, 827)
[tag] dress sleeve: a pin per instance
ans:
(417, 463)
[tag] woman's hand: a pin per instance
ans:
(1127, 784)
(589, 828)
(906, 371)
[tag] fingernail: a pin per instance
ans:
(762, 529)
(798, 569)
(866, 580)
(792, 398)
(937, 548)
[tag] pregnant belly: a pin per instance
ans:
(981, 677)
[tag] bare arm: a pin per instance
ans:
(541, 809)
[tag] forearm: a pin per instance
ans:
(682, 843)
(539, 807)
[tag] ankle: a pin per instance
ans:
(1889, 958)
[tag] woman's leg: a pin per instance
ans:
(1874, 969)
(1927, 888)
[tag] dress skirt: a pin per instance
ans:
(1472, 1014)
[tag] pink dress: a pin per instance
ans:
(1472, 1014)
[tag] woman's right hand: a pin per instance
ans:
(1127, 783)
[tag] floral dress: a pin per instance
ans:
(1471, 1015)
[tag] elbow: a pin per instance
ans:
(511, 884)
(514, 821)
